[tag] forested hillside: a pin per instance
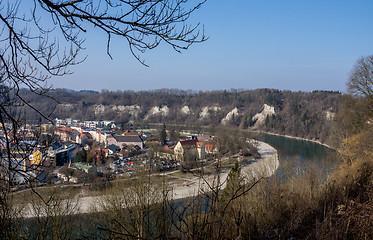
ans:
(303, 114)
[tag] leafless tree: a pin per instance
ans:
(360, 84)
(361, 79)
(43, 38)
(40, 39)
(136, 211)
(52, 215)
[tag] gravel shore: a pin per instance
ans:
(263, 167)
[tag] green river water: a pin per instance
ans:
(300, 155)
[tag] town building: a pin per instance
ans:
(126, 140)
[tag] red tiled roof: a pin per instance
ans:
(188, 142)
(64, 129)
(128, 138)
(166, 149)
(210, 147)
(129, 132)
(199, 144)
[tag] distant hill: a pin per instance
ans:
(302, 114)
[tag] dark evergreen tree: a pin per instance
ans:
(163, 134)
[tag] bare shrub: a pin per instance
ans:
(52, 215)
(137, 210)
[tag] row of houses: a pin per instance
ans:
(122, 141)
(20, 154)
(191, 147)
(87, 124)
(22, 136)
(85, 136)
(17, 166)
(80, 135)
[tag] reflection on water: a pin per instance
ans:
(301, 155)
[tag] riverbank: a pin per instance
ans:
(260, 168)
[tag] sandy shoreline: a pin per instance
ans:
(263, 167)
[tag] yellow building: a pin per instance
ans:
(44, 127)
(19, 160)
(35, 158)
(194, 148)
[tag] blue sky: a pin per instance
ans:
(293, 45)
